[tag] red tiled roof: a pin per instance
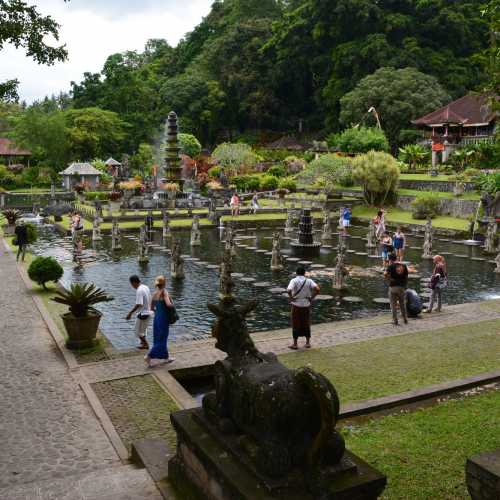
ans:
(7, 148)
(468, 110)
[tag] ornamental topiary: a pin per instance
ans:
(45, 269)
(189, 145)
(268, 183)
(426, 206)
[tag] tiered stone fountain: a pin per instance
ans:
(306, 245)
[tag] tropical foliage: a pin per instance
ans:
(359, 140)
(81, 298)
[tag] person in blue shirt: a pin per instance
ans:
(346, 219)
(399, 243)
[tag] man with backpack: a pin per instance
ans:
(301, 293)
(397, 276)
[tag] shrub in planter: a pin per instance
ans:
(82, 320)
(268, 183)
(11, 215)
(425, 206)
(276, 171)
(288, 183)
(45, 269)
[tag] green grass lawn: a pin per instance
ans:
(423, 453)
(374, 368)
(398, 216)
(424, 177)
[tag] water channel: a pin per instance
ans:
(469, 280)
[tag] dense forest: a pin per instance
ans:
(254, 67)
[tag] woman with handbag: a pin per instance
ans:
(439, 281)
(164, 311)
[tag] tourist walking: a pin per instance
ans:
(235, 205)
(255, 203)
(143, 308)
(149, 221)
(439, 281)
(379, 222)
(21, 232)
(399, 243)
(301, 293)
(162, 307)
(397, 276)
(346, 220)
(386, 248)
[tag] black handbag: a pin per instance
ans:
(173, 316)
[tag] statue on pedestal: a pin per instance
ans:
(428, 239)
(176, 261)
(341, 271)
(371, 237)
(491, 235)
(96, 229)
(166, 225)
(497, 262)
(289, 226)
(276, 259)
(143, 245)
(195, 232)
(115, 236)
(327, 228)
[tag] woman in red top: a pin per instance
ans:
(439, 281)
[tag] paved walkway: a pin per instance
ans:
(203, 352)
(52, 445)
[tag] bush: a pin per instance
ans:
(236, 158)
(288, 183)
(276, 171)
(45, 269)
(329, 170)
(268, 183)
(378, 174)
(189, 145)
(32, 233)
(469, 173)
(359, 140)
(490, 183)
(96, 195)
(214, 172)
(425, 206)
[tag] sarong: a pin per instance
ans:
(301, 322)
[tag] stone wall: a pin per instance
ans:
(455, 207)
(441, 186)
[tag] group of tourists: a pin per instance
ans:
(160, 306)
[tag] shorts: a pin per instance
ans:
(398, 245)
(385, 254)
(346, 223)
(141, 327)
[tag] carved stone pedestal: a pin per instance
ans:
(210, 465)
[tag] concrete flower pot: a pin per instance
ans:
(82, 332)
(8, 230)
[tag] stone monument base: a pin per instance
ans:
(210, 465)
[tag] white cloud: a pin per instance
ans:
(94, 29)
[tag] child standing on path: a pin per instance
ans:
(399, 242)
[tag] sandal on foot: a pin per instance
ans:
(294, 347)
(307, 346)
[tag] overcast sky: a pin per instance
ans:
(94, 29)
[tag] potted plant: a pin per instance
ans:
(171, 188)
(11, 215)
(82, 320)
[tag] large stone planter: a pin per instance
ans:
(115, 206)
(82, 332)
(8, 230)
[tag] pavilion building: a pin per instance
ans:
(11, 155)
(468, 120)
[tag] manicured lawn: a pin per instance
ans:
(423, 177)
(423, 453)
(375, 368)
(398, 216)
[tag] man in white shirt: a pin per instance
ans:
(301, 291)
(143, 308)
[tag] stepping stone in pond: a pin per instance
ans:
(326, 246)
(363, 254)
(415, 248)
(374, 257)
(237, 275)
(323, 297)
(292, 259)
(351, 251)
(269, 253)
(203, 263)
(445, 253)
(195, 259)
(382, 300)
(461, 256)
(478, 259)
(415, 276)
(248, 280)
(277, 290)
(352, 299)
(251, 248)
(318, 266)
(262, 284)
(185, 256)
(212, 266)
(305, 262)
(261, 251)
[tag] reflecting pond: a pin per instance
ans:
(469, 279)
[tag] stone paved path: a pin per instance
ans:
(52, 445)
(203, 352)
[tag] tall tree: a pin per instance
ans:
(23, 26)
